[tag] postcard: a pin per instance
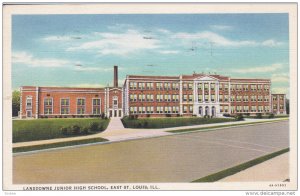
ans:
(150, 96)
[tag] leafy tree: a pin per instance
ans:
(287, 103)
(15, 102)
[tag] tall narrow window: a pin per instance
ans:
(48, 105)
(65, 106)
(28, 102)
(96, 106)
(80, 106)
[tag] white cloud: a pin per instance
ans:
(220, 27)
(282, 77)
(30, 60)
(57, 38)
(92, 69)
(271, 43)
(168, 51)
(268, 68)
(122, 44)
(214, 38)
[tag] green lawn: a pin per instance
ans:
(170, 122)
(41, 129)
(58, 144)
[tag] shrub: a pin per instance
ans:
(85, 130)
(64, 130)
(94, 126)
(75, 129)
(239, 117)
(65, 117)
(139, 125)
(60, 116)
(226, 115)
(178, 115)
(271, 115)
(148, 115)
(102, 115)
(258, 115)
(168, 115)
(145, 124)
(136, 116)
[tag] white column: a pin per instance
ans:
(37, 102)
(180, 95)
(203, 97)
(21, 105)
(209, 100)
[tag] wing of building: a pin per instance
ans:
(152, 96)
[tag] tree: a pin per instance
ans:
(287, 104)
(15, 102)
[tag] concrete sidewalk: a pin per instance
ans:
(275, 169)
(116, 132)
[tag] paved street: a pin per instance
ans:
(175, 158)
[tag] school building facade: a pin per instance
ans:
(153, 96)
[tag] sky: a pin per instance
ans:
(81, 50)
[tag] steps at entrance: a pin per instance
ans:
(115, 124)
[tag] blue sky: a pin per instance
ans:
(80, 50)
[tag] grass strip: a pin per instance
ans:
(233, 170)
(58, 144)
(219, 126)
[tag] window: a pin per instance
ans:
(260, 98)
(185, 86)
(132, 85)
(226, 87)
(149, 97)
(159, 109)
(28, 102)
(159, 86)
(167, 98)
(199, 86)
(190, 98)
(246, 108)
(253, 108)
(48, 106)
(238, 108)
(167, 86)
(168, 109)
(190, 85)
(191, 109)
(260, 108)
(253, 87)
(175, 109)
(206, 86)
(142, 97)
(266, 98)
(175, 98)
(184, 97)
(200, 98)
(212, 98)
(245, 87)
(266, 87)
(184, 109)
(239, 87)
(267, 108)
(226, 108)
(206, 98)
(232, 98)
(212, 86)
(141, 85)
(96, 106)
(221, 97)
(175, 86)
(149, 109)
(275, 106)
(159, 98)
(281, 107)
(149, 85)
(253, 98)
(259, 87)
(232, 109)
(245, 98)
(80, 106)
(226, 98)
(64, 106)
(281, 98)
(221, 87)
(232, 87)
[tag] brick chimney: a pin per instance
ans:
(115, 76)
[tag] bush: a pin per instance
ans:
(145, 124)
(94, 126)
(226, 115)
(85, 130)
(258, 115)
(148, 115)
(102, 115)
(178, 115)
(271, 115)
(239, 117)
(75, 129)
(168, 115)
(64, 130)
(139, 125)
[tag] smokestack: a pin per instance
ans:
(115, 76)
